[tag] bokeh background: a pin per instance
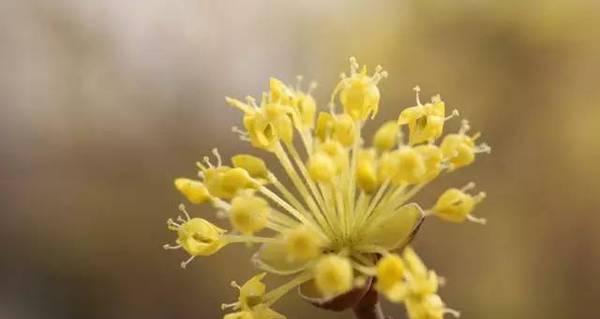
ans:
(102, 103)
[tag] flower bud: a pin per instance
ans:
(390, 272)
(432, 156)
(302, 244)
(359, 93)
(343, 130)
(321, 167)
(411, 166)
(386, 136)
(459, 149)
(333, 275)
(255, 166)
(366, 171)
(249, 213)
(455, 205)
(194, 191)
(324, 125)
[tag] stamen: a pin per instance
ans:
(184, 211)
(476, 220)
(454, 114)
(171, 247)
(234, 306)
(186, 262)
(264, 99)
(479, 197)
(215, 151)
(235, 285)
(483, 148)
(452, 312)
(379, 74)
(353, 65)
(251, 101)
(201, 166)
(172, 223)
(207, 162)
(417, 90)
(467, 187)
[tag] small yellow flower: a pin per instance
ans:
(390, 277)
(359, 93)
(432, 157)
(428, 307)
(386, 136)
(249, 213)
(366, 171)
(302, 244)
(251, 301)
(411, 166)
(226, 182)
(200, 238)
(425, 122)
(344, 206)
(460, 149)
(455, 205)
(197, 236)
(306, 107)
(322, 167)
(325, 123)
(255, 166)
(334, 275)
(194, 191)
(344, 129)
(420, 281)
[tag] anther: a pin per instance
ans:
(452, 312)
(454, 113)
(483, 148)
(417, 90)
(169, 247)
(182, 209)
(251, 101)
(186, 262)
(207, 161)
(477, 220)
(235, 285)
(467, 187)
(201, 166)
(479, 197)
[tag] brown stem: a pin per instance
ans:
(369, 306)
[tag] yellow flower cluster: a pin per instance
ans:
(348, 215)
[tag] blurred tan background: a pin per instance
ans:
(102, 103)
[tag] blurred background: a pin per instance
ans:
(103, 103)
